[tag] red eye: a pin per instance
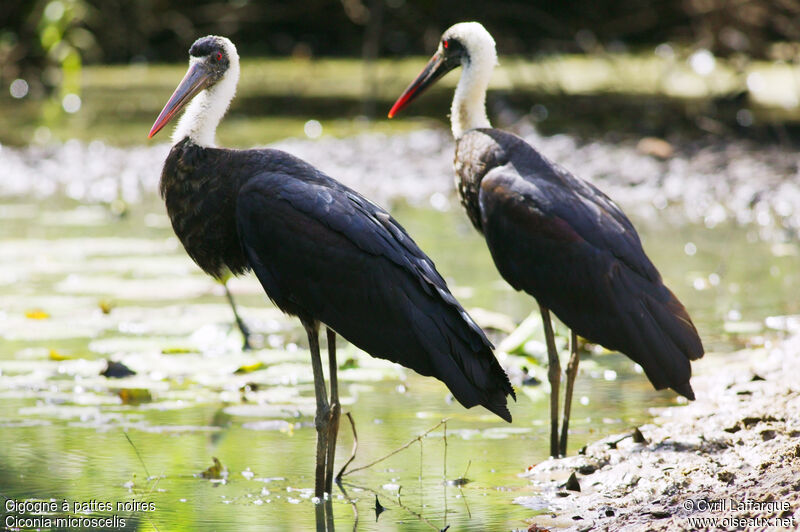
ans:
(219, 56)
(445, 44)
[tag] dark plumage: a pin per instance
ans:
(323, 252)
(564, 242)
(557, 237)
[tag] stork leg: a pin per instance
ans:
(572, 372)
(239, 321)
(554, 376)
(321, 419)
(334, 412)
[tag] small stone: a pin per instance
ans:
(750, 421)
(768, 434)
(726, 476)
(572, 483)
(116, 370)
(638, 437)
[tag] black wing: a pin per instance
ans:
(568, 245)
(323, 252)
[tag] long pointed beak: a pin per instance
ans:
(196, 79)
(435, 69)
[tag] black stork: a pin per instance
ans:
(557, 237)
(322, 252)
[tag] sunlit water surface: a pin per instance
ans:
(63, 425)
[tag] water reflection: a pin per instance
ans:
(323, 512)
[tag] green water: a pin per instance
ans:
(63, 425)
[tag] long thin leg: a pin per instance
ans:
(554, 376)
(572, 372)
(334, 412)
(321, 419)
(239, 321)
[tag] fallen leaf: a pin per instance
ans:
(132, 396)
(36, 314)
(350, 363)
(177, 350)
(55, 355)
(215, 472)
(249, 368)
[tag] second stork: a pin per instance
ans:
(557, 237)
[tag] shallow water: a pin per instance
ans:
(63, 264)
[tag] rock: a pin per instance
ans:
(726, 476)
(692, 455)
(116, 370)
(572, 483)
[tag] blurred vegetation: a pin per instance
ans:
(35, 33)
(162, 29)
(647, 44)
(631, 94)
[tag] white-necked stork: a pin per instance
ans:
(557, 237)
(322, 252)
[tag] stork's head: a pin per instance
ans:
(466, 44)
(213, 66)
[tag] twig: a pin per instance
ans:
(402, 447)
(444, 478)
(466, 504)
(153, 487)
(444, 472)
(352, 453)
(137, 453)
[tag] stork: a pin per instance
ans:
(321, 251)
(557, 237)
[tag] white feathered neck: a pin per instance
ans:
(203, 114)
(468, 110)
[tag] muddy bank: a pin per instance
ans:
(702, 182)
(733, 455)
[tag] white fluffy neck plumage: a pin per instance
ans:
(203, 114)
(469, 103)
